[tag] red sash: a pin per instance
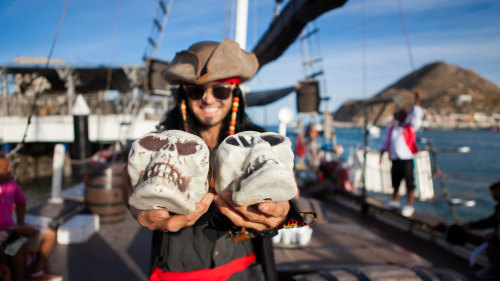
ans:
(409, 136)
(220, 273)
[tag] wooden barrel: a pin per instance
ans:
(103, 192)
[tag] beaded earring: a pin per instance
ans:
(232, 124)
(183, 111)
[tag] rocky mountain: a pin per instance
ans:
(446, 89)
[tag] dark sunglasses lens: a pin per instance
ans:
(195, 92)
(222, 92)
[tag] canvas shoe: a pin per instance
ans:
(391, 205)
(407, 211)
(46, 277)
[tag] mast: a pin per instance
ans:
(240, 35)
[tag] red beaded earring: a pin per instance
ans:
(183, 111)
(232, 125)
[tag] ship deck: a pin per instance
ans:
(121, 251)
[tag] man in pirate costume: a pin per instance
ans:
(211, 244)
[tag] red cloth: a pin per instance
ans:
(410, 138)
(220, 273)
(230, 80)
(300, 147)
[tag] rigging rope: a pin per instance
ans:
(115, 27)
(39, 91)
(363, 46)
(157, 30)
(407, 39)
(109, 75)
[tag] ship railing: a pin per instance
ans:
(49, 105)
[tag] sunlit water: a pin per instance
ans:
(466, 175)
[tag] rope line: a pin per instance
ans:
(363, 46)
(113, 44)
(407, 39)
(39, 91)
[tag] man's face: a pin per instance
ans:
(209, 110)
(5, 170)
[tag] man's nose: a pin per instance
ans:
(208, 96)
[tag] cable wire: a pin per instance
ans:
(39, 91)
(407, 39)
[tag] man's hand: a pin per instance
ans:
(3, 236)
(260, 217)
(165, 221)
(26, 230)
(162, 219)
(418, 93)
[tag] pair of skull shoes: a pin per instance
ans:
(170, 170)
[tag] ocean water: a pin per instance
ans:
(464, 175)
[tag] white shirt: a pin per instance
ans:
(398, 149)
(415, 117)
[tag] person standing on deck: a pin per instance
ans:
(400, 141)
(313, 148)
(41, 240)
(198, 246)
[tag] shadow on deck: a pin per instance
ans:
(119, 251)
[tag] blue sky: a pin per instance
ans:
(465, 33)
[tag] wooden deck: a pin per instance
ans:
(118, 251)
(121, 251)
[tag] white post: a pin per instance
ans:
(241, 23)
(285, 116)
(57, 174)
(282, 129)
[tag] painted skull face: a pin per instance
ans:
(256, 167)
(168, 170)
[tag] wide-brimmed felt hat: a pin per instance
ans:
(208, 61)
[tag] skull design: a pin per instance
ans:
(168, 170)
(256, 167)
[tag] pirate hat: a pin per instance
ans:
(208, 61)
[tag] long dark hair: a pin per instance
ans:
(173, 119)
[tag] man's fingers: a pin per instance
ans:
(152, 219)
(237, 218)
(163, 220)
(249, 217)
(179, 221)
(262, 211)
(207, 200)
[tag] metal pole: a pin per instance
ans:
(364, 206)
(81, 143)
(241, 23)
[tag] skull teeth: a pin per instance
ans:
(262, 162)
(166, 172)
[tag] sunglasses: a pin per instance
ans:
(220, 91)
